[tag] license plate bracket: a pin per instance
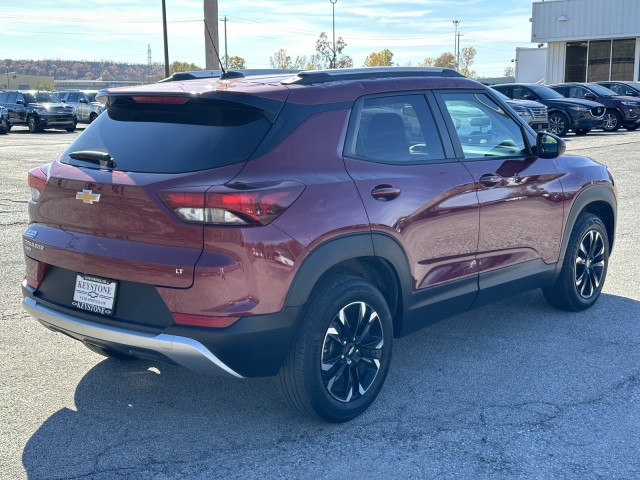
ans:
(95, 294)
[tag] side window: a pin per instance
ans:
(72, 98)
(3, 97)
(576, 92)
(520, 93)
(483, 127)
(564, 91)
(616, 88)
(13, 97)
(396, 129)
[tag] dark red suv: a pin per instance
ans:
(295, 224)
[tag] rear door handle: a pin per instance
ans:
(490, 180)
(385, 192)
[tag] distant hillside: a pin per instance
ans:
(82, 70)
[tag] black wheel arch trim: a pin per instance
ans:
(588, 196)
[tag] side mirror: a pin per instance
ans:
(528, 96)
(83, 100)
(549, 145)
(631, 93)
(20, 102)
(589, 96)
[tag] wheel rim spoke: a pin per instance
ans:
(590, 264)
(352, 352)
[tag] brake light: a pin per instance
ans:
(232, 206)
(37, 179)
(203, 320)
(159, 99)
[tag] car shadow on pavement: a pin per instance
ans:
(518, 373)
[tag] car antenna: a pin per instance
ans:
(226, 75)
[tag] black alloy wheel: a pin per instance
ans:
(337, 365)
(584, 268)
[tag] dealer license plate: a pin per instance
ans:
(95, 294)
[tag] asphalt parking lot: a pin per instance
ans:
(512, 390)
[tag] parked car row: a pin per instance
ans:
(39, 110)
(581, 107)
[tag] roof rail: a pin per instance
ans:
(322, 76)
(180, 76)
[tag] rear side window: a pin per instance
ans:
(173, 138)
(395, 129)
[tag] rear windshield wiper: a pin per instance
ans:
(102, 159)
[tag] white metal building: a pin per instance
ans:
(588, 40)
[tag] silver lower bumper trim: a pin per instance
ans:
(182, 350)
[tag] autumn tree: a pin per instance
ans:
(182, 67)
(236, 63)
(445, 60)
(281, 59)
(467, 57)
(509, 71)
(330, 59)
(379, 59)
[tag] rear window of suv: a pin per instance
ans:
(173, 138)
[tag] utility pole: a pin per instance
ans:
(456, 44)
(333, 7)
(166, 42)
(226, 54)
(211, 42)
(458, 53)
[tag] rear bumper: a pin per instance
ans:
(182, 351)
(253, 346)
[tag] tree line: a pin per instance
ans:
(324, 57)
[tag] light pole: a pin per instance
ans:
(333, 9)
(456, 43)
(9, 73)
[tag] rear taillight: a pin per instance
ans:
(35, 271)
(246, 205)
(37, 178)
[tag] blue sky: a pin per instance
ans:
(120, 30)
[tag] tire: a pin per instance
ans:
(71, 129)
(612, 121)
(558, 124)
(107, 352)
(582, 131)
(332, 353)
(4, 127)
(92, 117)
(32, 123)
(632, 128)
(584, 269)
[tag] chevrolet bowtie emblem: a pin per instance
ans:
(87, 196)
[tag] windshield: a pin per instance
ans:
(41, 97)
(546, 93)
(600, 90)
